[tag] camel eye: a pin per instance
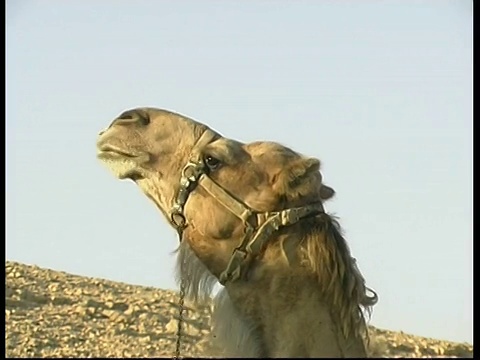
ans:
(212, 163)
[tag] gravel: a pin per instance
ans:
(54, 314)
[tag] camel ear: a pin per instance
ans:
(300, 178)
(326, 192)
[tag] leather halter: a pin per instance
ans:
(258, 226)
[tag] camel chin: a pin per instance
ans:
(123, 168)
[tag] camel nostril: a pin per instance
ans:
(101, 133)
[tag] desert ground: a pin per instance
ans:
(51, 313)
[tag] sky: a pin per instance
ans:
(379, 91)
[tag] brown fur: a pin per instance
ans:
(304, 296)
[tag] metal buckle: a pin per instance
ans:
(233, 270)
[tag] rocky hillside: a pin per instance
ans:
(55, 314)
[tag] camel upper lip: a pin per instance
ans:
(113, 149)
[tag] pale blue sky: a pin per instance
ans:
(380, 91)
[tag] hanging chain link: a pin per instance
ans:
(181, 309)
(181, 303)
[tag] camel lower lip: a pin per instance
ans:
(132, 175)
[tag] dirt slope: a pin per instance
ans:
(52, 313)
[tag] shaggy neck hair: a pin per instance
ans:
(325, 254)
(328, 256)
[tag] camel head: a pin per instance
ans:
(152, 147)
(221, 194)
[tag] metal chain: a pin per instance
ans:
(181, 309)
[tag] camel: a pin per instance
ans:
(250, 217)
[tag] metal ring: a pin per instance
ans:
(175, 215)
(189, 165)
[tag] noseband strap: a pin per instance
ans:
(258, 226)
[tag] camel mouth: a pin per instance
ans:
(109, 152)
(126, 164)
(115, 151)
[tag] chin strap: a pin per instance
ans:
(255, 241)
